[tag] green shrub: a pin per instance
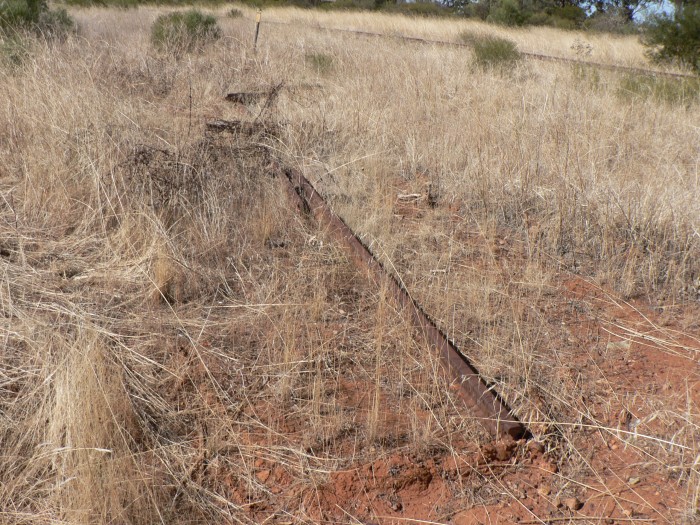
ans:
(676, 39)
(320, 62)
(567, 17)
(611, 21)
(16, 14)
(418, 9)
(478, 10)
(34, 16)
(492, 51)
(55, 23)
(184, 31)
(128, 4)
(540, 19)
(570, 13)
(508, 13)
(235, 13)
(21, 14)
(348, 5)
(13, 51)
(674, 91)
(586, 75)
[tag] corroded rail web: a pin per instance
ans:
(477, 394)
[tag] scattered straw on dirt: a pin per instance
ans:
(181, 345)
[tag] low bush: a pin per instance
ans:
(34, 16)
(418, 9)
(13, 51)
(55, 23)
(184, 31)
(492, 51)
(508, 13)
(674, 91)
(320, 62)
(568, 17)
(612, 21)
(478, 10)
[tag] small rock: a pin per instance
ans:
(263, 475)
(572, 504)
(634, 481)
(535, 447)
(628, 512)
(551, 467)
(544, 490)
(505, 450)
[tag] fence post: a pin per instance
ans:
(257, 29)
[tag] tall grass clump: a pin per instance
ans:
(674, 91)
(321, 63)
(13, 51)
(20, 14)
(184, 32)
(492, 51)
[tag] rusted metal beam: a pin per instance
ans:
(479, 396)
(247, 129)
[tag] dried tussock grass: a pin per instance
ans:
(162, 346)
(537, 170)
(607, 49)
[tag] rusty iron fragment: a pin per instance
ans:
(251, 97)
(247, 129)
(479, 396)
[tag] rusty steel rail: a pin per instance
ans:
(479, 396)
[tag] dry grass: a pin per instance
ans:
(162, 343)
(618, 50)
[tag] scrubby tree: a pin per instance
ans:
(627, 9)
(676, 38)
(35, 8)
(34, 15)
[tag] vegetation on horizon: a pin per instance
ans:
(671, 38)
(129, 4)
(676, 39)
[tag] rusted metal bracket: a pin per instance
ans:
(479, 396)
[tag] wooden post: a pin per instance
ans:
(257, 29)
